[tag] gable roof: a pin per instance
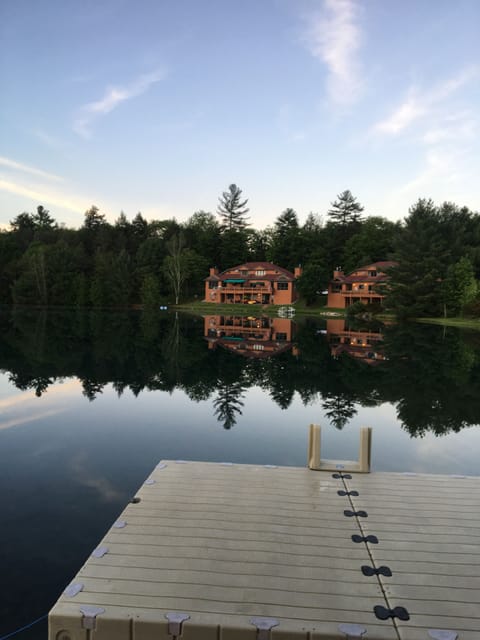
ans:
(279, 273)
(380, 267)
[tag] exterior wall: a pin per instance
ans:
(335, 299)
(356, 291)
(221, 292)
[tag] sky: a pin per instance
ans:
(158, 105)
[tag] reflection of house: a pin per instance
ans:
(259, 337)
(362, 285)
(365, 345)
(252, 282)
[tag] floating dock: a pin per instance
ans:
(211, 551)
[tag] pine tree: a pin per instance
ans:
(232, 209)
(43, 219)
(345, 209)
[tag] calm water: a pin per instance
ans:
(90, 402)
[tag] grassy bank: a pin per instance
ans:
(205, 308)
(467, 323)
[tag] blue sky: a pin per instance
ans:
(157, 106)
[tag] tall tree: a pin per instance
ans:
(43, 220)
(345, 209)
(232, 209)
(175, 264)
(459, 287)
(422, 253)
(286, 241)
(93, 218)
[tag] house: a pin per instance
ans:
(362, 285)
(253, 337)
(364, 345)
(252, 283)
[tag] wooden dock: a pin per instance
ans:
(231, 552)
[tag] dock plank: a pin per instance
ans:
(226, 543)
(428, 534)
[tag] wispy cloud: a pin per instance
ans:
(335, 37)
(44, 194)
(418, 105)
(459, 127)
(113, 96)
(25, 168)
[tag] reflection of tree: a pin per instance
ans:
(339, 410)
(228, 403)
(431, 374)
(91, 388)
(39, 383)
(437, 374)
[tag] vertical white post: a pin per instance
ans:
(364, 456)
(314, 437)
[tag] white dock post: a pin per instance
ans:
(365, 452)
(314, 443)
(315, 462)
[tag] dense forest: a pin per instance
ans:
(136, 261)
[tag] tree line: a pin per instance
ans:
(132, 262)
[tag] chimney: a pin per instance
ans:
(297, 271)
(338, 273)
(213, 271)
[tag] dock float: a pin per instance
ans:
(212, 551)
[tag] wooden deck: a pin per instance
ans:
(247, 552)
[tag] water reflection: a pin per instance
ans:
(253, 337)
(430, 374)
(363, 342)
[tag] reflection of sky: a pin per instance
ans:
(159, 425)
(19, 407)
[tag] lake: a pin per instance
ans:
(90, 402)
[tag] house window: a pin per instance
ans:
(258, 347)
(336, 288)
(212, 285)
(281, 336)
(373, 274)
(282, 286)
(260, 272)
(361, 286)
(244, 272)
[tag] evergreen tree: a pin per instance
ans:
(422, 253)
(345, 210)
(286, 241)
(232, 209)
(43, 220)
(93, 218)
(150, 292)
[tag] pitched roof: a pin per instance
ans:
(279, 272)
(380, 267)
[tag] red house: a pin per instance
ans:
(252, 282)
(362, 285)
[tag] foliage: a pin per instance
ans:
(103, 264)
(232, 209)
(345, 210)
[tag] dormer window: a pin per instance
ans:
(260, 272)
(372, 274)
